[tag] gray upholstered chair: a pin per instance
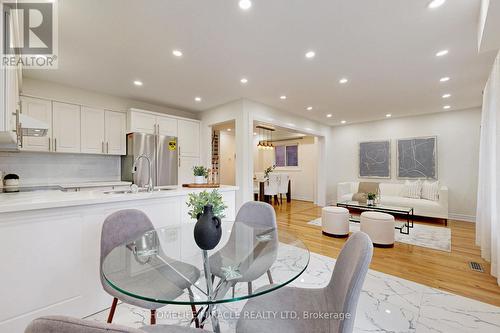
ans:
(340, 297)
(126, 226)
(258, 215)
(61, 324)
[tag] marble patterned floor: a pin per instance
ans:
(387, 304)
(437, 238)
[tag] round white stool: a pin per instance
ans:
(380, 228)
(335, 221)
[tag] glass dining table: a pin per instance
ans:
(166, 266)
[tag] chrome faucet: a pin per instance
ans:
(149, 185)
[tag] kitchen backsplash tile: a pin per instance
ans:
(49, 168)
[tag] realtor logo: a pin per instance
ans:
(29, 33)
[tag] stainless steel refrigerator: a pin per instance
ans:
(162, 150)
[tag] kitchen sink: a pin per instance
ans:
(142, 190)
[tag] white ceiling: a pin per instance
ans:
(385, 47)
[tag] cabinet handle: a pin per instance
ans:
(179, 156)
(107, 147)
(102, 147)
(49, 144)
(55, 144)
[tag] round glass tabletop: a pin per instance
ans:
(166, 266)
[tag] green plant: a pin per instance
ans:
(371, 196)
(268, 171)
(200, 170)
(196, 202)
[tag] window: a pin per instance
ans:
(286, 156)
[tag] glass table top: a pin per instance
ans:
(356, 204)
(166, 266)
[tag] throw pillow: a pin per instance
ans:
(412, 189)
(430, 190)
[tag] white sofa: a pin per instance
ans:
(390, 194)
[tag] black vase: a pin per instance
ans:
(208, 230)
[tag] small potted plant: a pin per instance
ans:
(208, 208)
(200, 174)
(371, 198)
(268, 171)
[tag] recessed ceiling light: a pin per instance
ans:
(446, 107)
(177, 53)
(444, 79)
(138, 83)
(446, 96)
(343, 80)
(435, 4)
(245, 4)
(283, 97)
(291, 124)
(343, 122)
(388, 115)
(254, 133)
(229, 130)
(310, 54)
(442, 53)
(244, 80)
(329, 115)
(197, 99)
(309, 108)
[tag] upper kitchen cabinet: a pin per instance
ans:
(40, 109)
(151, 123)
(189, 138)
(115, 132)
(141, 122)
(66, 127)
(93, 141)
(103, 131)
(166, 126)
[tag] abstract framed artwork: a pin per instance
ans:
(375, 159)
(417, 158)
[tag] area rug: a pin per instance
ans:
(437, 238)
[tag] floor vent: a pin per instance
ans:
(476, 267)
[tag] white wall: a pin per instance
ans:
(63, 93)
(303, 177)
(458, 151)
(54, 168)
(227, 162)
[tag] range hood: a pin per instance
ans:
(32, 127)
(26, 126)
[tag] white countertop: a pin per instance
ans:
(24, 201)
(81, 185)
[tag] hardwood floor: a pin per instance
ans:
(438, 269)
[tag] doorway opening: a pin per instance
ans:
(224, 152)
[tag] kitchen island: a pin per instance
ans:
(51, 247)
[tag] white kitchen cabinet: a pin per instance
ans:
(189, 138)
(115, 132)
(92, 129)
(166, 126)
(185, 172)
(142, 122)
(40, 109)
(66, 127)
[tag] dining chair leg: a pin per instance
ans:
(193, 308)
(112, 310)
(269, 276)
(249, 288)
(152, 320)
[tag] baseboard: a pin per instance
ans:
(462, 217)
(302, 198)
